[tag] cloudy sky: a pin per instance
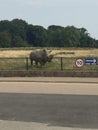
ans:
(80, 13)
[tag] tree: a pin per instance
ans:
(5, 39)
(55, 36)
(17, 41)
(19, 33)
(19, 27)
(72, 36)
(36, 35)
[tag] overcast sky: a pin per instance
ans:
(80, 13)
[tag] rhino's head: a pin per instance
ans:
(50, 57)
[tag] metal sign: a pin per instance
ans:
(90, 61)
(79, 62)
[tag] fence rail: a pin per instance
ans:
(58, 63)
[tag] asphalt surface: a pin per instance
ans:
(54, 110)
(74, 111)
(21, 110)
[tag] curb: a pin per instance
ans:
(51, 80)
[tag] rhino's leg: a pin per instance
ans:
(42, 63)
(36, 62)
(31, 62)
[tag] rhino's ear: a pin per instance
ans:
(44, 50)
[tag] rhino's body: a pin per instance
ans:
(40, 57)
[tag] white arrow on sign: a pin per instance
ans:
(94, 60)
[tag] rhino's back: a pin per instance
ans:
(37, 54)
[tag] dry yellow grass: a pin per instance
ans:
(56, 52)
(77, 52)
(14, 53)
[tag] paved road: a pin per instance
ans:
(67, 108)
(74, 111)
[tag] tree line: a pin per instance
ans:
(18, 33)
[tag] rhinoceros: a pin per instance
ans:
(40, 57)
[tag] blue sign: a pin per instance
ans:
(90, 61)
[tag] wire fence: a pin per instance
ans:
(58, 63)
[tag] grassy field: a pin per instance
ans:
(16, 59)
(58, 52)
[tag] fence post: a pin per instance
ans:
(27, 67)
(61, 63)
